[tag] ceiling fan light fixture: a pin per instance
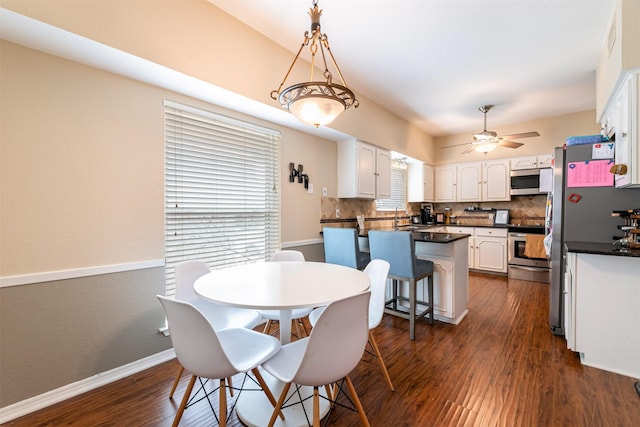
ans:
(485, 135)
(485, 147)
(316, 102)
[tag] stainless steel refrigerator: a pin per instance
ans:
(579, 214)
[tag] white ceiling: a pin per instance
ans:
(434, 62)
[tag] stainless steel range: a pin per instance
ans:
(521, 266)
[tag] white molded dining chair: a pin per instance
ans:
(377, 271)
(219, 316)
(211, 354)
(297, 314)
(327, 355)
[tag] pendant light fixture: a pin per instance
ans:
(316, 102)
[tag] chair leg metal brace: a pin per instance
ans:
(412, 314)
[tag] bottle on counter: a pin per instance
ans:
(447, 215)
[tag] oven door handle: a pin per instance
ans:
(517, 235)
(522, 267)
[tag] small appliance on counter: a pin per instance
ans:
(426, 214)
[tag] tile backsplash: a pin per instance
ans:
(524, 210)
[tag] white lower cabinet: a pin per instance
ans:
(602, 320)
(487, 247)
(491, 254)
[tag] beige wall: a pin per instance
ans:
(553, 132)
(82, 174)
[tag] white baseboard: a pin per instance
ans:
(51, 397)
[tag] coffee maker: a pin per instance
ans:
(425, 214)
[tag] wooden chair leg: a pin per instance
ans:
(352, 391)
(278, 408)
(230, 382)
(176, 381)
(267, 325)
(383, 367)
(223, 404)
(185, 399)
(266, 389)
(327, 389)
(316, 407)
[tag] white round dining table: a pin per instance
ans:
(280, 286)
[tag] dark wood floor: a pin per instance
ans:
(500, 367)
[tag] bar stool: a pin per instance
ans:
(341, 247)
(398, 249)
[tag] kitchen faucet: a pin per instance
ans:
(395, 218)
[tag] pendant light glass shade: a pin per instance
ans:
(316, 102)
(485, 147)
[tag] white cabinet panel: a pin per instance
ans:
(495, 181)
(364, 171)
(607, 285)
(545, 161)
(469, 180)
(421, 183)
(491, 254)
(445, 177)
(625, 117)
(529, 162)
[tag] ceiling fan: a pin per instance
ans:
(487, 140)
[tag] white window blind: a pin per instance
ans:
(398, 189)
(222, 203)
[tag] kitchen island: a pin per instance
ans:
(450, 255)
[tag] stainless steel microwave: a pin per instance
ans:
(528, 182)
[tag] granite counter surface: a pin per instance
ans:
(423, 236)
(600, 249)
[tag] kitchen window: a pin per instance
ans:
(398, 188)
(222, 202)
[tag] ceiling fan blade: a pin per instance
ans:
(509, 144)
(468, 150)
(521, 135)
(457, 145)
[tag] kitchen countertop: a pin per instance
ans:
(600, 249)
(534, 229)
(423, 236)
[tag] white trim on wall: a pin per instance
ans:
(308, 242)
(48, 276)
(68, 391)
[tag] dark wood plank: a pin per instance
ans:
(500, 366)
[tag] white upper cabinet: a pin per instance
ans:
(445, 177)
(545, 161)
(620, 53)
(624, 117)
(421, 185)
(469, 179)
(364, 171)
(529, 162)
(495, 181)
(483, 181)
